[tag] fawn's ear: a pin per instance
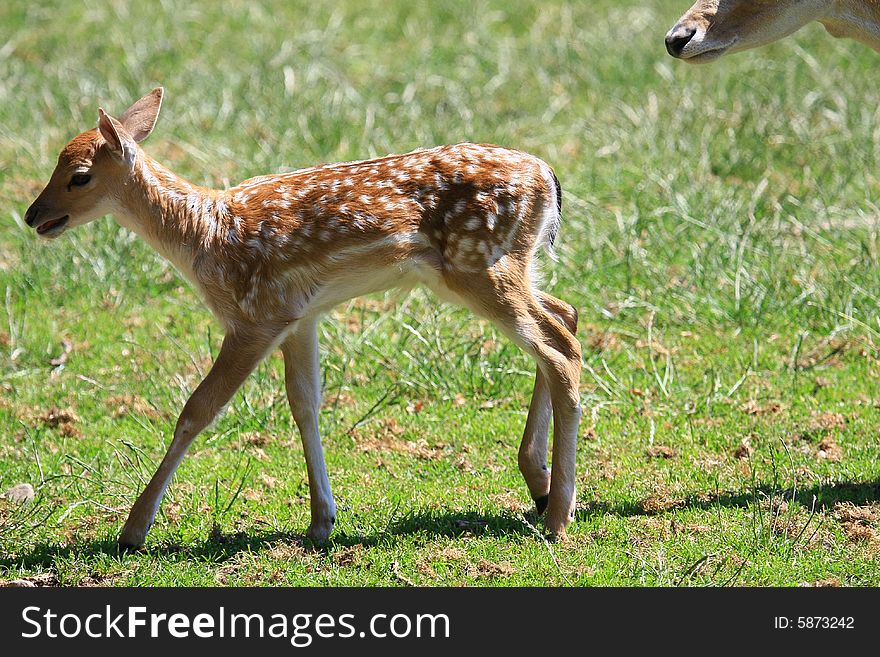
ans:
(120, 142)
(140, 119)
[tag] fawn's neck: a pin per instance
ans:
(175, 217)
(855, 19)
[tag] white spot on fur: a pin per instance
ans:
(465, 246)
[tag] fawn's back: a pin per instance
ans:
(307, 240)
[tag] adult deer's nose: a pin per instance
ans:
(677, 38)
(31, 215)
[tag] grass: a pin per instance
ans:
(719, 239)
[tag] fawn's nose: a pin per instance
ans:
(31, 215)
(677, 38)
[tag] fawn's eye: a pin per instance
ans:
(80, 179)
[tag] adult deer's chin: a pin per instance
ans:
(706, 55)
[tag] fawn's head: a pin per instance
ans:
(712, 28)
(91, 169)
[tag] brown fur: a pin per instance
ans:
(273, 253)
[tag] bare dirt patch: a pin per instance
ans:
(255, 438)
(252, 495)
(100, 579)
(341, 398)
(828, 582)
(286, 551)
(510, 502)
(601, 340)
(447, 555)
(849, 512)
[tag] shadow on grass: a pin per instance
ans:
(825, 495)
(219, 546)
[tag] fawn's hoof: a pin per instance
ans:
(541, 504)
(559, 536)
(319, 532)
(556, 522)
(129, 544)
(128, 548)
(131, 539)
(555, 530)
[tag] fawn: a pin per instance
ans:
(274, 253)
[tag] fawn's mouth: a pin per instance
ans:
(53, 227)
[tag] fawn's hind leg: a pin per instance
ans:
(533, 448)
(508, 300)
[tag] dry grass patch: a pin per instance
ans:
(388, 440)
(661, 452)
(485, 568)
(827, 421)
(662, 499)
(348, 557)
(122, 405)
(63, 420)
(39, 581)
(752, 407)
(859, 522)
(829, 450)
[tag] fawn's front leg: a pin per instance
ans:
(302, 377)
(239, 355)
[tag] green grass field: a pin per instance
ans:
(720, 240)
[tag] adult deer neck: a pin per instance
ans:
(855, 19)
